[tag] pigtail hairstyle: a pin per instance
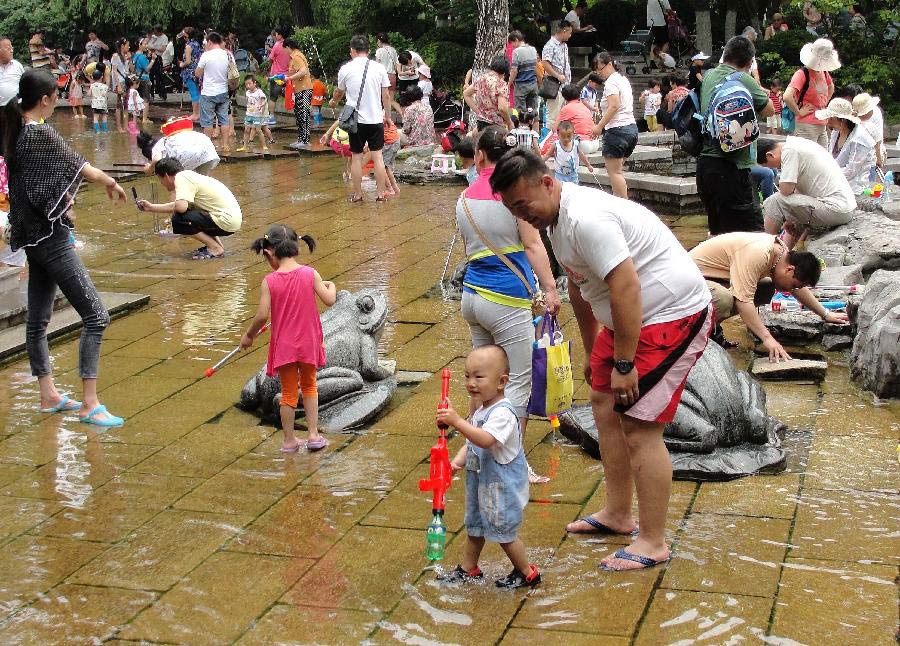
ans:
(33, 86)
(283, 242)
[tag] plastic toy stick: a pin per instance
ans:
(211, 371)
(440, 475)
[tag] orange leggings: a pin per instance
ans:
(294, 377)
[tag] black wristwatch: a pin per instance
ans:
(623, 366)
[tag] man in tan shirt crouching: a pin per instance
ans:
(743, 271)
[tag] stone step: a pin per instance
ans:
(66, 320)
(641, 153)
(647, 181)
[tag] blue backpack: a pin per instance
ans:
(730, 117)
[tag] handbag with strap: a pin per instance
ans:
(538, 303)
(234, 75)
(349, 119)
(549, 88)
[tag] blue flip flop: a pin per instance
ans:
(600, 528)
(110, 420)
(65, 405)
(645, 561)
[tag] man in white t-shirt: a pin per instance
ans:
(214, 101)
(644, 313)
(11, 71)
(812, 190)
(372, 102)
(582, 35)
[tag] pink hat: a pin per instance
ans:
(424, 70)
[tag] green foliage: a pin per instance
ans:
(449, 62)
(786, 45)
(20, 18)
(614, 20)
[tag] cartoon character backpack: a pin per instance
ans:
(730, 116)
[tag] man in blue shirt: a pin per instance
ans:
(142, 70)
(523, 74)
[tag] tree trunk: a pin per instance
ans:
(704, 30)
(730, 20)
(490, 32)
(302, 13)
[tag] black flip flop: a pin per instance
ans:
(600, 528)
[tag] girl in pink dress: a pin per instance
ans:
(296, 345)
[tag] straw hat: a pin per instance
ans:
(424, 70)
(864, 103)
(820, 56)
(840, 108)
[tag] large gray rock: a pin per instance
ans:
(721, 429)
(835, 342)
(796, 327)
(842, 275)
(871, 240)
(875, 360)
(353, 386)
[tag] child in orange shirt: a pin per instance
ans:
(318, 96)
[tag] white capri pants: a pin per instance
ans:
(511, 329)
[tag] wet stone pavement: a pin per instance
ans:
(188, 525)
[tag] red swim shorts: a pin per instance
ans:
(666, 352)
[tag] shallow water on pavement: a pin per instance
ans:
(188, 525)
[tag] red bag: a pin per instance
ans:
(289, 95)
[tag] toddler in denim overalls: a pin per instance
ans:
(496, 472)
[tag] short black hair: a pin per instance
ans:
(404, 57)
(652, 83)
(850, 90)
(168, 167)
(775, 81)
(291, 43)
(562, 26)
(763, 147)
(383, 37)
(283, 241)
(98, 74)
(515, 36)
(570, 92)
(284, 31)
(500, 65)
(214, 37)
(465, 148)
(595, 78)
(409, 97)
(565, 124)
(807, 268)
(679, 78)
(519, 163)
(359, 43)
(495, 142)
(739, 52)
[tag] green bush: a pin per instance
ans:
(786, 44)
(449, 62)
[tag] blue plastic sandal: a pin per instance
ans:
(109, 420)
(65, 405)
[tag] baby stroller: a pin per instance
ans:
(682, 43)
(636, 51)
(242, 60)
(446, 108)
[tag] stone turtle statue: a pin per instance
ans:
(721, 429)
(353, 386)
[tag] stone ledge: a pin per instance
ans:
(66, 320)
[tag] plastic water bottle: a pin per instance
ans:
(888, 187)
(436, 538)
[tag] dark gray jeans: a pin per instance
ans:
(54, 262)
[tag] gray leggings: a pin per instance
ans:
(54, 262)
(511, 329)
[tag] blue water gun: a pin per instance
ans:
(280, 79)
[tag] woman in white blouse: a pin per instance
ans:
(851, 145)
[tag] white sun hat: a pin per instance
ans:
(840, 108)
(820, 56)
(424, 70)
(699, 57)
(864, 103)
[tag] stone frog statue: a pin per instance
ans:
(721, 429)
(353, 385)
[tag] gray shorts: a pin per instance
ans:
(804, 210)
(389, 153)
